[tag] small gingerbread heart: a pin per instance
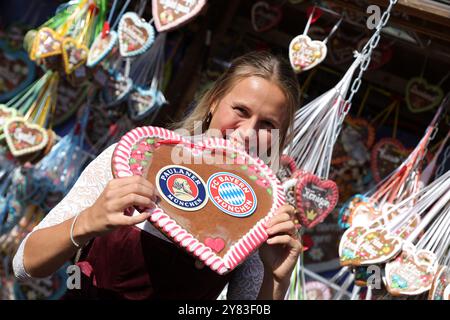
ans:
(316, 198)
(305, 54)
(23, 137)
(170, 15)
(135, 35)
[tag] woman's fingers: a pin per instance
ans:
(124, 220)
(285, 240)
(279, 218)
(137, 188)
(133, 199)
(282, 227)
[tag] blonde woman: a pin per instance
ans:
(124, 256)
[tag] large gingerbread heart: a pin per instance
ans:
(387, 155)
(305, 54)
(23, 137)
(412, 272)
(348, 244)
(170, 15)
(316, 198)
(264, 16)
(215, 197)
(135, 35)
(422, 96)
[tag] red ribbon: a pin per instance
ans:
(316, 12)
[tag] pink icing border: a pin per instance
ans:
(238, 251)
(178, 22)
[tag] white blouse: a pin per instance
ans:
(245, 283)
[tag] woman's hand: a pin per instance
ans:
(280, 252)
(107, 213)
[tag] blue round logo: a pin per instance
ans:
(232, 194)
(181, 187)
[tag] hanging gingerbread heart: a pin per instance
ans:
(422, 96)
(136, 36)
(141, 102)
(365, 130)
(347, 209)
(364, 214)
(412, 272)
(116, 89)
(74, 54)
(305, 54)
(170, 15)
(348, 244)
(264, 16)
(316, 198)
(46, 43)
(316, 290)
(376, 246)
(23, 137)
(101, 47)
(210, 204)
(17, 72)
(387, 155)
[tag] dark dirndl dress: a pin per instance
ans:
(130, 263)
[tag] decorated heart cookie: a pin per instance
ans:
(46, 43)
(364, 214)
(316, 198)
(387, 155)
(215, 198)
(23, 137)
(170, 15)
(422, 96)
(305, 54)
(116, 89)
(135, 35)
(141, 102)
(264, 16)
(348, 244)
(74, 54)
(347, 209)
(101, 47)
(376, 246)
(412, 272)
(440, 289)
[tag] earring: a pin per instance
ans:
(207, 121)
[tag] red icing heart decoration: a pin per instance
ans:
(215, 198)
(23, 137)
(217, 244)
(287, 168)
(387, 155)
(170, 15)
(316, 198)
(264, 16)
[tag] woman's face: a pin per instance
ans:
(251, 111)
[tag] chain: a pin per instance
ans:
(367, 53)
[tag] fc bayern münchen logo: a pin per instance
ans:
(181, 187)
(232, 194)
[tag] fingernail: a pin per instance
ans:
(269, 241)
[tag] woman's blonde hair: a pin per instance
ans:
(254, 64)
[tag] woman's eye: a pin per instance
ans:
(268, 125)
(240, 110)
